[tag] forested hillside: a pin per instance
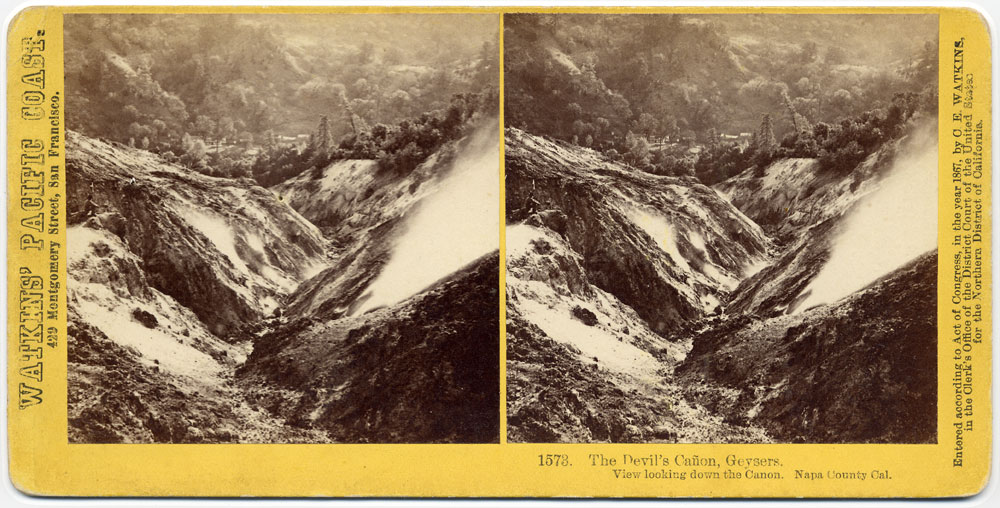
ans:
(270, 96)
(648, 89)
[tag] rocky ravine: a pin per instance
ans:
(180, 328)
(644, 308)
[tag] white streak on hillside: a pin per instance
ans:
(657, 227)
(595, 343)
(450, 228)
(105, 304)
(612, 342)
(218, 232)
(888, 228)
(665, 234)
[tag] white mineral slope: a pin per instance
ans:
(838, 231)
(619, 341)
(795, 193)
(330, 198)
(457, 224)
(395, 235)
(670, 248)
(227, 249)
(886, 229)
(107, 286)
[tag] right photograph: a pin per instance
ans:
(721, 228)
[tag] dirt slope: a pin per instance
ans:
(860, 370)
(425, 370)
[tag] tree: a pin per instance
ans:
(808, 52)
(365, 53)
(841, 102)
(835, 55)
(701, 115)
(352, 110)
(323, 138)
(194, 153)
(647, 124)
(269, 141)
(488, 61)
(765, 146)
(637, 150)
(575, 110)
(399, 103)
(227, 129)
(766, 142)
(713, 140)
(204, 126)
(320, 144)
(193, 146)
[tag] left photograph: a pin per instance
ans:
(283, 228)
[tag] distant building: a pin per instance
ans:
(298, 141)
(741, 140)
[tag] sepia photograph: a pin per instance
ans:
(283, 228)
(485, 251)
(721, 228)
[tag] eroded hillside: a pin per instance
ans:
(667, 247)
(650, 308)
(176, 279)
